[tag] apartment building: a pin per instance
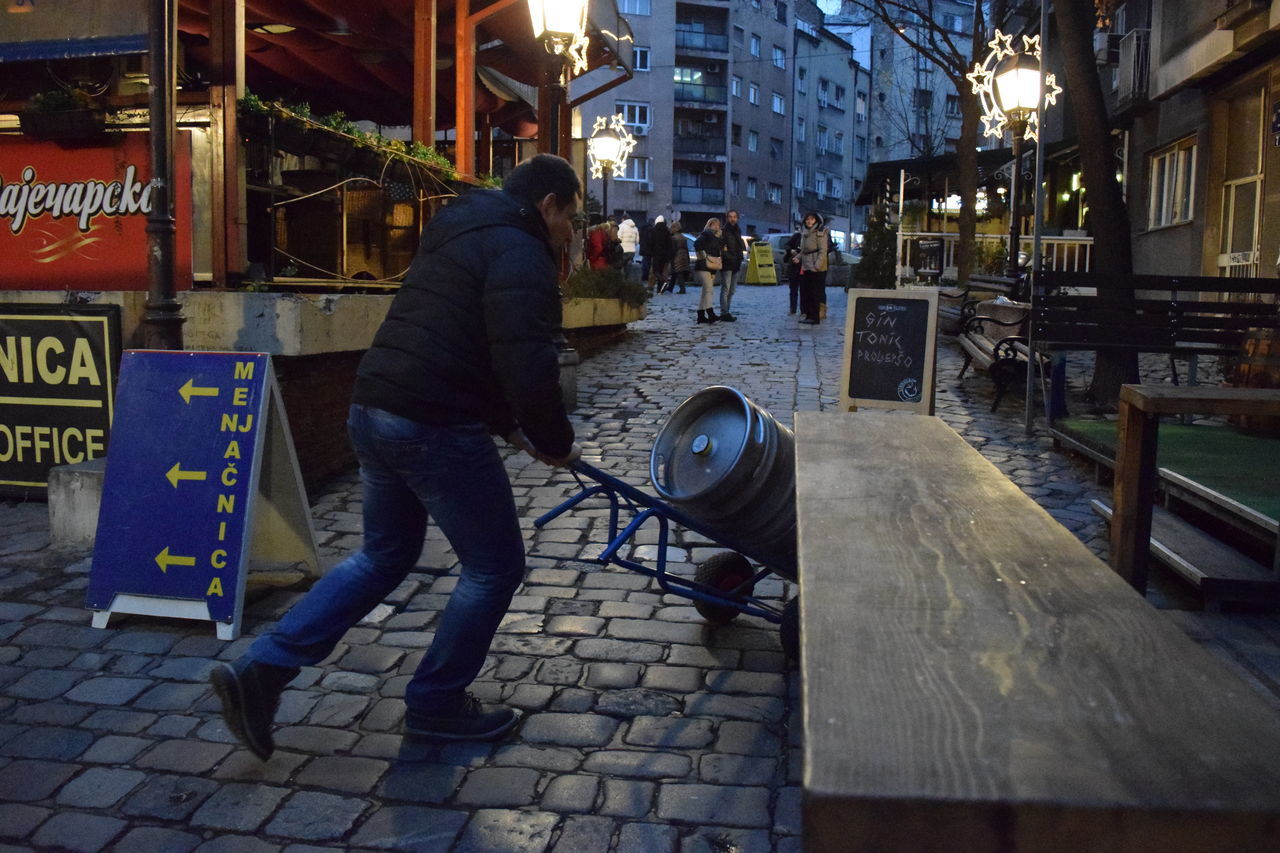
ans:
(710, 103)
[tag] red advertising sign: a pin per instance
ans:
(74, 216)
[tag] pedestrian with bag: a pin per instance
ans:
(679, 254)
(733, 248)
(814, 240)
(710, 254)
(467, 351)
(660, 255)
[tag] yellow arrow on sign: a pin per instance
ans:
(164, 560)
(190, 389)
(176, 473)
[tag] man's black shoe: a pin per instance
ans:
(250, 694)
(470, 722)
(727, 317)
(807, 321)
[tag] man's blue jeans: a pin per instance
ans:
(409, 470)
(728, 281)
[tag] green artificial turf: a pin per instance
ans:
(1243, 467)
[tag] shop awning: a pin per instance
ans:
(938, 171)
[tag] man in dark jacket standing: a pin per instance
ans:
(465, 352)
(729, 275)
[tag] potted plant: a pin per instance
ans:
(253, 117)
(368, 158)
(62, 114)
(336, 141)
(292, 133)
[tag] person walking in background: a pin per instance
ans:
(679, 254)
(659, 255)
(814, 242)
(710, 252)
(467, 350)
(645, 248)
(791, 267)
(729, 276)
(629, 236)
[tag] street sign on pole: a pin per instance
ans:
(201, 481)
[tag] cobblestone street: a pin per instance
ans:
(645, 729)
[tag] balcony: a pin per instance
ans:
(1134, 65)
(701, 196)
(694, 40)
(697, 94)
(709, 145)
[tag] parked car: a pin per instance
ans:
(841, 263)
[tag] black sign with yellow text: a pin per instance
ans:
(58, 365)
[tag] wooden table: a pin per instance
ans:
(1135, 477)
(975, 679)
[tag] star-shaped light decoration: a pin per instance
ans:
(626, 142)
(982, 77)
(1001, 46)
(577, 51)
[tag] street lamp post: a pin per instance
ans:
(608, 149)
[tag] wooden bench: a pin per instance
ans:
(959, 303)
(994, 340)
(975, 679)
(1182, 316)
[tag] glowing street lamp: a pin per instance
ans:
(1009, 85)
(608, 149)
(561, 27)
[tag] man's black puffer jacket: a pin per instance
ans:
(469, 337)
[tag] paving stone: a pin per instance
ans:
(239, 807)
(338, 710)
(636, 702)
(143, 642)
(723, 769)
(558, 759)
(788, 814)
(410, 828)
(243, 765)
(574, 793)
(315, 739)
(725, 681)
(170, 697)
(115, 749)
(314, 816)
(237, 844)
(295, 705)
(17, 820)
(54, 713)
(371, 659)
(78, 831)
(612, 675)
(44, 683)
(648, 837)
(746, 738)
(618, 650)
(99, 787)
(26, 781)
(186, 756)
(678, 679)
(758, 708)
(342, 773)
(507, 829)
(715, 805)
(571, 700)
(48, 658)
(713, 839)
(520, 644)
(173, 726)
(643, 765)
(571, 607)
(670, 732)
(575, 626)
(420, 782)
(169, 797)
(499, 786)
(56, 744)
(703, 657)
(582, 833)
(385, 715)
(350, 682)
(108, 690)
(560, 672)
(158, 839)
(627, 798)
(47, 634)
(569, 729)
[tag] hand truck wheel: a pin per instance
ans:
(724, 571)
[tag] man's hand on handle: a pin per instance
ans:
(518, 439)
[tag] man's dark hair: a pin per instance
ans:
(542, 174)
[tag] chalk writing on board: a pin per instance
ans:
(888, 349)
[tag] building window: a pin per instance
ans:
(838, 103)
(634, 113)
(688, 75)
(739, 35)
(733, 183)
(797, 179)
(837, 189)
(822, 139)
(753, 140)
(775, 148)
(840, 144)
(633, 7)
(800, 129)
(773, 194)
(641, 58)
(637, 169)
(779, 57)
(860, 106)
(824, 95)
(820, 185)
(755, 45)
(753, 93)
(953, 106)
(860, 147)
(779, 11)
(779, 104)
(922, 99)
(735, 86)
(1172, 196)
(801, 85)
(735, 135)
(752, 188)
(879, 141)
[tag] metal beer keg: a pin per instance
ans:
(727, 463)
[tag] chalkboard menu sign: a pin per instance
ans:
(890, 343)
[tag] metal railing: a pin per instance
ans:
(700, 145)
(702, 94)
(697, 195)
(1066, 254)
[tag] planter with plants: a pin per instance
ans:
(62, 114)
(292, 131)
(337, 140)
(253, 117)
(601, 298)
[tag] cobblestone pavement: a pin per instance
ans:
(645, 730)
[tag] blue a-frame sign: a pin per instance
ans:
(201, 480)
